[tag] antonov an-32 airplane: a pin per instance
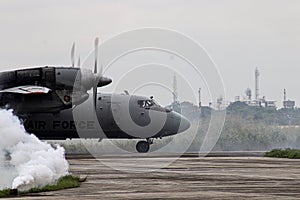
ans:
(45, 97)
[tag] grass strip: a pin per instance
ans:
(284, 153)
(65, 182)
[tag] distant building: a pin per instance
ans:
(270, 104)
(259, 103)
(289, 104)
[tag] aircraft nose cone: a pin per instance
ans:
(184, 124)
(180, 122)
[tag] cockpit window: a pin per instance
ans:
(146, 103)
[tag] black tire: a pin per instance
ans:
(142, 147)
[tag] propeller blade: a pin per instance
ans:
(78, 64)
(72, 54)
(96, 55)
(95, 96)
(101, 70)
(95, 73)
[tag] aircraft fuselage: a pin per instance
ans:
(62, 125)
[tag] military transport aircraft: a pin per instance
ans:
(44, 98)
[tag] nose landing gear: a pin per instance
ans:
(144, 146)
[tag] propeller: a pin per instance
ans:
(91, 79)
(99, 79)
(72, 54)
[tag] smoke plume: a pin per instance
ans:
(25, 161)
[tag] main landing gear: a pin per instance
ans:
(144, 146)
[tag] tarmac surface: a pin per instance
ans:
(219, 176)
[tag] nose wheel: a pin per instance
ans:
(144, 146)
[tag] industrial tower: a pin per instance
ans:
(257, 85)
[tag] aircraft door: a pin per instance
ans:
(115, 116)
(103, 113)
(49, 77)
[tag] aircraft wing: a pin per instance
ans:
(28, 89)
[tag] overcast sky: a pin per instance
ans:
(238, 35)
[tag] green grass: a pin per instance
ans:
(284, 153)
(65, 182)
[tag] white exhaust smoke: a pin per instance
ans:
(25, 161)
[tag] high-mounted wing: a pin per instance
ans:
(28, 89)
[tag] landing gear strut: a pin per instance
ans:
(144, 146)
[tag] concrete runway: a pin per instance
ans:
(189, 177)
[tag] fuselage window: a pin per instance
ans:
(145, 103)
